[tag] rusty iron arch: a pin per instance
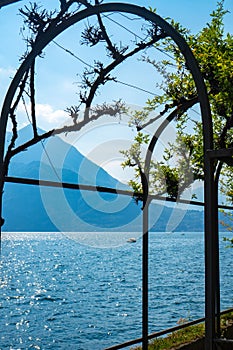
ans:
(211, 230)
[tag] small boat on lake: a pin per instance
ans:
(132, 240)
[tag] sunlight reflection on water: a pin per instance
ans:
(57, 293)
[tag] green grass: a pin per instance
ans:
(186, 335)
(177, 338)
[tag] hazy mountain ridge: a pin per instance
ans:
(24, 210)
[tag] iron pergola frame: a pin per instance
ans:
(212, 287)
(7, 2)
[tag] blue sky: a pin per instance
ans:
(58, 73)
(58, 69)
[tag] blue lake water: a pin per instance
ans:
(59, 294)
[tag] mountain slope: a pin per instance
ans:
(34, 208)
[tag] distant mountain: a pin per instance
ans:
(34, 208)
(59, 156)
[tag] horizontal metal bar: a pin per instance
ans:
(124, 345)
(72, 186)
(156, 334)
(226, 311)
(176, 328)
(36, 182)
(223, 340)
(228, 207)
(164, 332)
(220, 153)
(174, 200)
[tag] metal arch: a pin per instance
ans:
(54, 31)
(211, 231)
(212, 282)
(7, 2)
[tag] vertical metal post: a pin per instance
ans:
(212, 301)
(217, 263)
(1, 201)
(0, 223)
(145, 251)
(217, 292)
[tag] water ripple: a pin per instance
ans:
(58, 294)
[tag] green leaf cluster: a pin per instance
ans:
(183, 160)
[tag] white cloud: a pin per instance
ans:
(114, 168)
(7, 72)
(47, 116)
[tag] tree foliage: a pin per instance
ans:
(183, 162)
